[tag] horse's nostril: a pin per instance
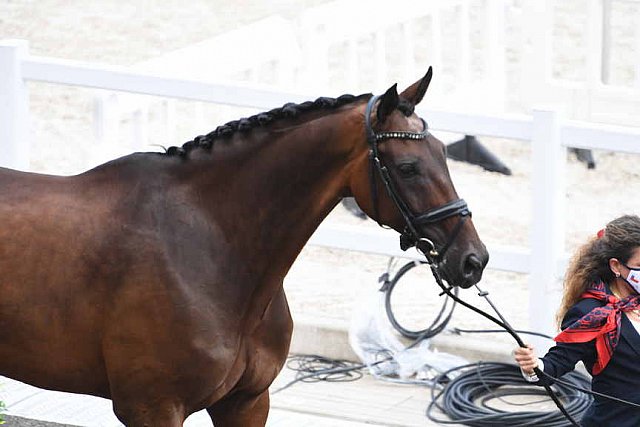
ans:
(472, 266)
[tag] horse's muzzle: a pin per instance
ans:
(472, 268)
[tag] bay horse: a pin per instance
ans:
(155, 280)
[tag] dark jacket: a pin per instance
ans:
(620, 378)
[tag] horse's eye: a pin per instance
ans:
(407, 170)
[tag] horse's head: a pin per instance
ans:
(404, 182)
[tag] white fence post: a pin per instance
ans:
(380, 60)
(547, 228)
(315, 77)
(106, 118)
(464, 47)
(408, 52)
(494, 59)
(536, 61)
(14, 119)
(636, 77)
(605, 67)
(595, 59)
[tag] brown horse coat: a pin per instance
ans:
(156, 280)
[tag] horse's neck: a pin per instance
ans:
(278, 194)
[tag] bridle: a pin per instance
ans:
(410, 235)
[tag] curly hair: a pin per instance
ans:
(591, 261)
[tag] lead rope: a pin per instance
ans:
(485, 295)
(503, 324)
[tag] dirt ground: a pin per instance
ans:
(324, 282)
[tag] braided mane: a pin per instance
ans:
(287, 111)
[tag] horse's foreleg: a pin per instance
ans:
(241, 411)
(149, 415)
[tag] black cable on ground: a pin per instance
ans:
(503, 324)
(467, 399)
(439, 323)
(329, 370)
(314, 368)
(311, 368)
(461, 397)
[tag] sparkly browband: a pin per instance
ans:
(404, 135)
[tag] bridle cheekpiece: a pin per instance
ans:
(410, 236)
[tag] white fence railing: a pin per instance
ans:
(483, 75)
(402, 37)
(274, 50)
(549, 136)
(397, 38)
(593, 95)
(307, 51)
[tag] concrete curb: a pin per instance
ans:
(331, 339)
(13, 421)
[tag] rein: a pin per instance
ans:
(504, 325)
(410, 236)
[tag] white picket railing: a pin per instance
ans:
(247, 51)
(591, 96)
(407, 35)
(328, 27)
(549, 136)
(308, 50)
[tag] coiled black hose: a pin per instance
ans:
(466, 399)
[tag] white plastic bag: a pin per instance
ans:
(373, 339)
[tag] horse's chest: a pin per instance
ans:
(267, 347)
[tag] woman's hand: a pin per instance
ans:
(526, 358)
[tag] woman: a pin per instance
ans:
(600, 322)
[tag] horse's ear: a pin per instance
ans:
(388, 103)
(416, 91)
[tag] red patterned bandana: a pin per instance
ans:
(601, 324)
